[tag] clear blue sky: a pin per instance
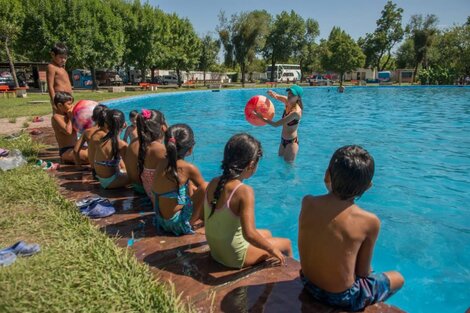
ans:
(357, 17)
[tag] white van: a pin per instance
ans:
(170, 79)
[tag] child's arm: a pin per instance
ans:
(50, 81)
(65, 126)
(126, 134)
(364, 256)
(78, 147)
(195, 176)
(280, 122)
(247, 219)
(122, 153)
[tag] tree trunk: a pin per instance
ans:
(273, 63)
(152, 74)
(12, 65)
(242, 68)
(142, 75)
(386, 62)
(415, 72)
(93, 77)
(204, 77)
(178, 77)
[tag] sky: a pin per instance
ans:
(356, 17)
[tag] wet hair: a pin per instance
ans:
(239, 152)
(59, 48)
(62, 97)
(351, 170)
(115, 121)
(148, 130)
(99, 114)
(179, 138)
(133, 114)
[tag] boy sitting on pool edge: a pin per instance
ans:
(337, 237)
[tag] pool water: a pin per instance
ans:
(420, 140)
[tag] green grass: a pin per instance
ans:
(79, 268)
(12, 120)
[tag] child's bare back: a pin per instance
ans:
(337, 237)
(349, 232)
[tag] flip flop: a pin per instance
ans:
(38, 119)
(35, 132)
(87, 201)
(21, 248)
(7, 258)
(4, 152)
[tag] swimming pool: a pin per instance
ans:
(420, 139)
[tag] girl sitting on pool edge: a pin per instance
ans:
(293, 108)
(229, 217)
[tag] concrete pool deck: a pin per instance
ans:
(184, 262)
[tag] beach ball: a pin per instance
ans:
(82, 112)
(260, 104)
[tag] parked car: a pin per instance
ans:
(170, 79)
(318, 80)
(108, 78)
(8, 81)
(158, 80)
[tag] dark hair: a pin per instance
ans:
(351, 170)
(99, 114)
(59, 48)
(179, 138)
(62, 97)
(148, 130)
(239, 152)
(133, 114)
(115, 121)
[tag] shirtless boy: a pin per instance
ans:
(57, 76)
(65, 135)
(337, 237)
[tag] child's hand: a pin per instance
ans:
(278, 255)
(271, 93)
(258, 115)
(70, 113)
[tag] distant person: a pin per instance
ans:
(293, 108)
(337, 237)
(65, 135)
(341, 88)
(229, 210)
(57, 77)
(131, 130)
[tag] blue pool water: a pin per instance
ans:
(420, 139)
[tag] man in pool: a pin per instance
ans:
(337, 237)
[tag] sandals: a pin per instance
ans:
(47, 165)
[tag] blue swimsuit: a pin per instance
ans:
(178, 224)
(106, 181)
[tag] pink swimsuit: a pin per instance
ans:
(147, 181)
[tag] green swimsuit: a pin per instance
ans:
(224, 234)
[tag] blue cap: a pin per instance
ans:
(296, 90)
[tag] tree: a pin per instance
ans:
(423, 31)
(340, 53)
(307, 54)
(185, 45)
(243, 37)
(209, 51)
(389, 32)
(11, 19)
(286, 38)
(144, 35)
(405, 55)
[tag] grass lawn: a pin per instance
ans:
(79, 268)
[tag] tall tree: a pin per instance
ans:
(286, 36)
(209, 50)
(11, 20)
(406, 54)
(379, 44)
(340, 53)
(306, 52)
(423, 31)
(185, 45)
(243, 37)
